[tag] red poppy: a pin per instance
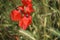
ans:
(15, 15)
(26, 2)
(22, 14)
(25, 22)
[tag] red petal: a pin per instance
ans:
(30, 5)
(25, 22)
(21, 8)
(28, 10)
(15, 15)
(26, 2)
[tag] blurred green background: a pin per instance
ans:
(45, 21)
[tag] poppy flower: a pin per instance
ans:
(15, 15)
(26, 2)
(22, 14)
(25, 22)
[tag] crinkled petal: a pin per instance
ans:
(26, 2)
(25, 22)
(15, 15)
(28, 10)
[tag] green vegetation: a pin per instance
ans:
(45, 23)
